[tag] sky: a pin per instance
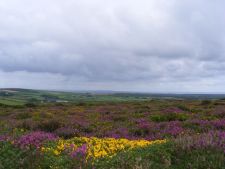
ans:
(129, 45)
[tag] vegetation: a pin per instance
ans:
(121, 134)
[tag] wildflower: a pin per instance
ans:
(34, 139)
(81, 151)
(80, 147)
(56, 152)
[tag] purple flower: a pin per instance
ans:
(34, 139)
(118, 133)
(79, 152)
(143, 123)
(173, 110)
(209, 125)
(4, 138)
(212, 139)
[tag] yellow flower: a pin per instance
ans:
(56, 152)
(42, 149)
(99, 147)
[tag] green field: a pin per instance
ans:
(23, 96)
(20, 97)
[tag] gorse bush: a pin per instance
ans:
(165, 156)
(151, 157)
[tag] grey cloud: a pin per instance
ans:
(121, 42)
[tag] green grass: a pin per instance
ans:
(23, 96)
(12, 102)
(164, 156)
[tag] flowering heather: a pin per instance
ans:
(34, 139)
(79, 152)
(119, 133)
(153, 130)
(143, 123)
(81, 122)
(219, 124)
(4, 138)
(207, 125)
(66, 132)
(211, 139)
(115, 135)
(173, 128)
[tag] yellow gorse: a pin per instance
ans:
(99, 147)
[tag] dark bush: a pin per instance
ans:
(31, 105)
(67, 132)
(140, 132)
(206, 102)
(28, 125)
(50, 125)
(169, 117)
(23, 115)
(119, 118)
(184, 108)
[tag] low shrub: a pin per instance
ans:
(119, 118)
(30, 104)
(15, 158)
(169, 117)
(49, 125)
(206, 102)
(28, 124)
(67, 132)
(150, 157)
(23, 115)
(183, 107)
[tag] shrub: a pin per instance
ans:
(49, 125)
(206, 102)
(198, 159)
(119, 118)
(152, 157)
(169, 117)
(30, 104)
(183, 107)
(4, 113)
(28, 124)
(200, 151)
(51, 161)
(23, 115)
(67, 132)
(15, 158)
(33, 139)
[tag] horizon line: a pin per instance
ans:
(115, 91)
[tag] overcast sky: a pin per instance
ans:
(125, 45)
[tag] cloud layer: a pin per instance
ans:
(144, 45)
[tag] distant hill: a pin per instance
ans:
(17, 96)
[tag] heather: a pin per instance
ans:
(173, 134)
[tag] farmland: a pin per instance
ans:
(44, 129)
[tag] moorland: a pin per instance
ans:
(57, 130)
